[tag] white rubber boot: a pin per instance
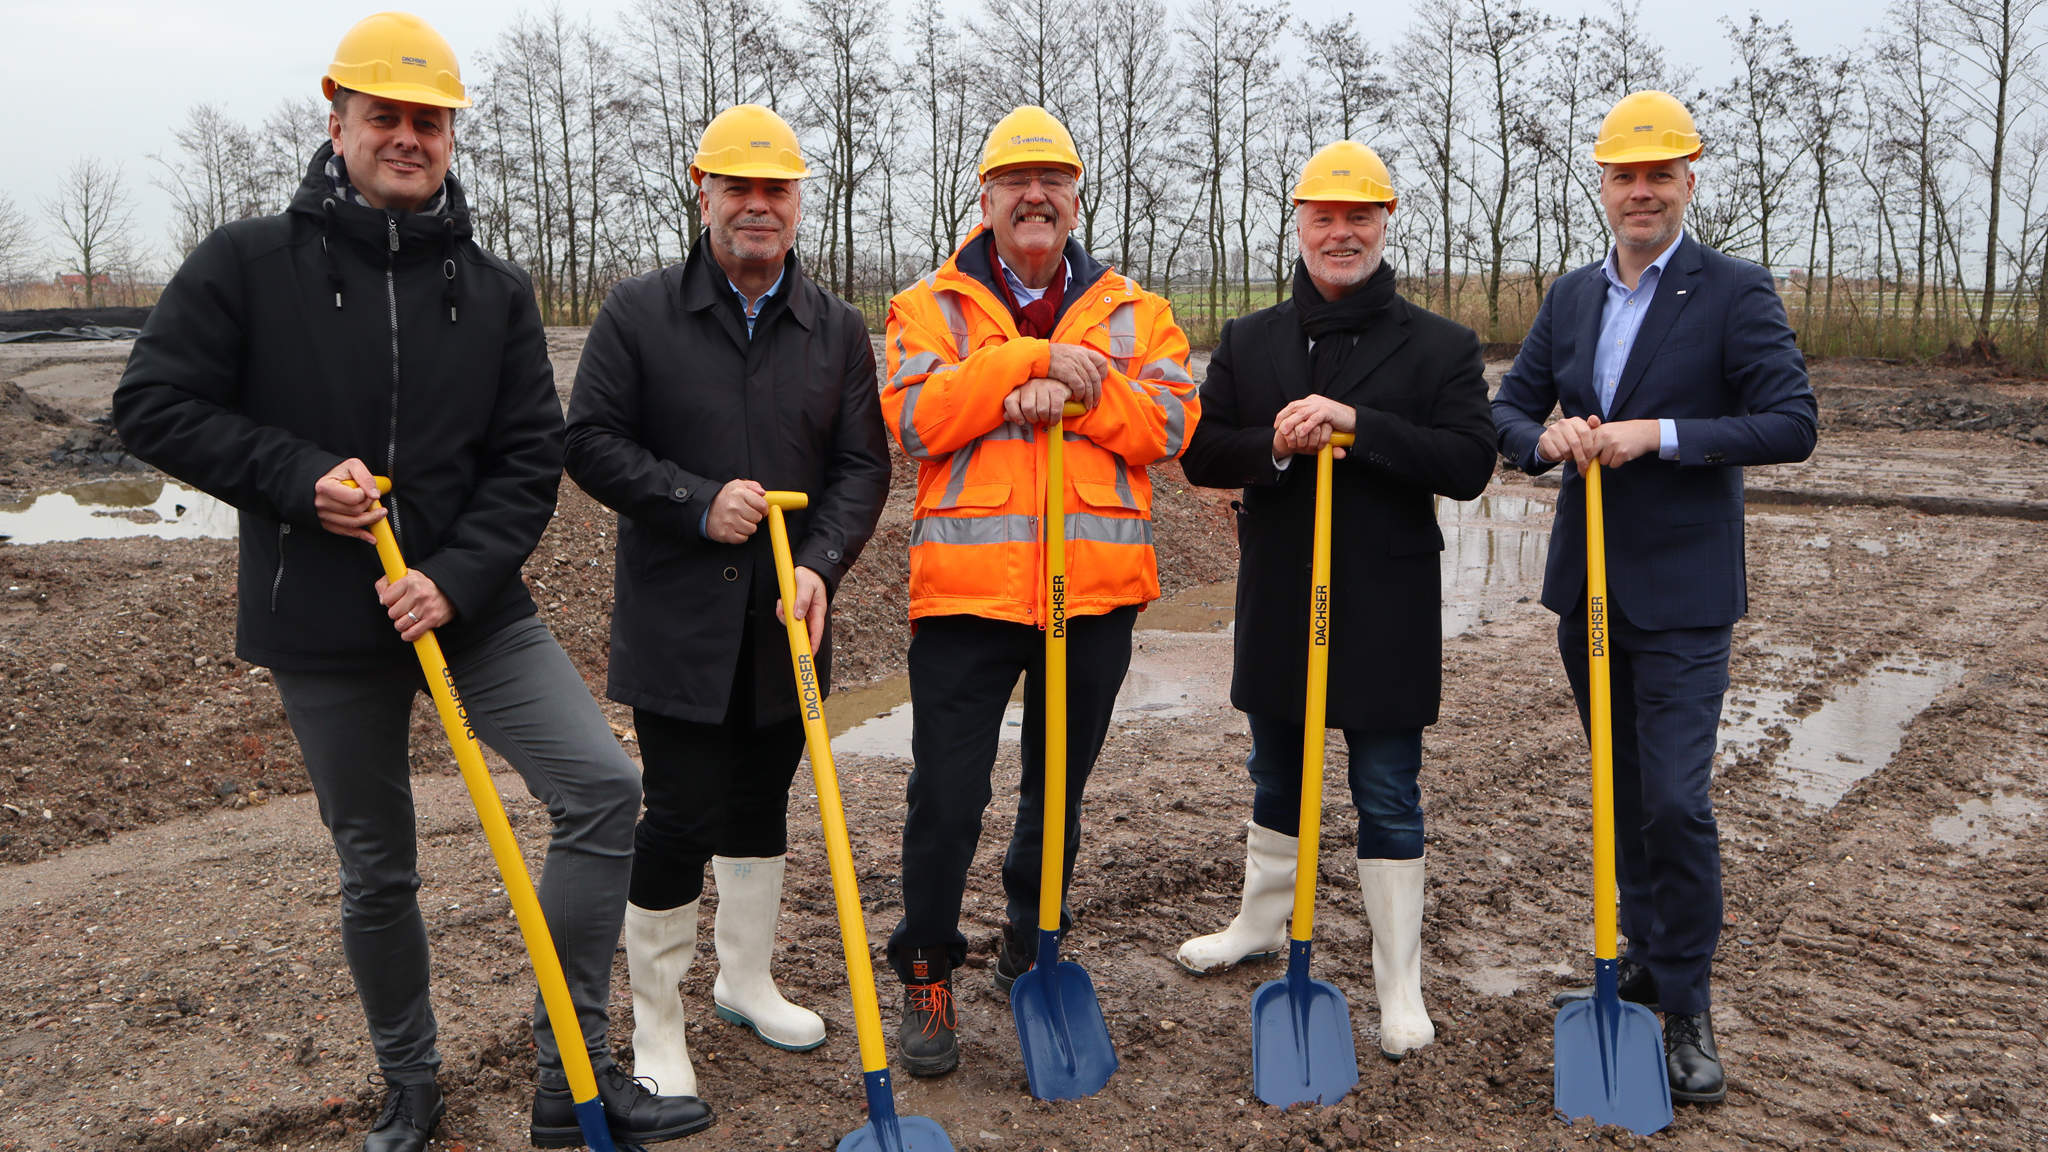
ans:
(659, 948)
(1393, 901)
(749, 900)
(1259, 930)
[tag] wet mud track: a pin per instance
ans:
(173, 979)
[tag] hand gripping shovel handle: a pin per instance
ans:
(884, 1131)
(490, 812)
(1311, 829)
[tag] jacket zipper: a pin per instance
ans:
(391, 444)
(277, 582)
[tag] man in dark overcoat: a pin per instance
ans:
(1345, 354)
(702, 387)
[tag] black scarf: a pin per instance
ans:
(1334, 325)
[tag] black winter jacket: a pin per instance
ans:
(672, 400)
(286, 344)
(1417, 382)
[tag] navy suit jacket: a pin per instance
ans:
(1716, 356)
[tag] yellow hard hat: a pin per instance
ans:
(1029, 135)
(1645, 127)
(398, 56)
(1346, 170)
(748, 140)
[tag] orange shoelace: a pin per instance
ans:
(935, 1003)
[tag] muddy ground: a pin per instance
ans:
(173, 977)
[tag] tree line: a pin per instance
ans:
(1894, 186)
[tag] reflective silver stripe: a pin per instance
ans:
(1166, 368)
(1123, 485)
(907, 366)
(1007, 431)
(906, 424)
(956, 477)
(1176, 408)
(1108, 529)
(950, 308)
(1123, 335)
(974, 530)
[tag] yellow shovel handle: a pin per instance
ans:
(1311, 829)
(1606, 945)
(490, 812)
(853, 928)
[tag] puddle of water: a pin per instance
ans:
(1854, 733)
(1983, 824)
(1494, 548)
(109, 509)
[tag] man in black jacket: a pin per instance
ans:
(1346, 354)
(703, 386)
(362, 330)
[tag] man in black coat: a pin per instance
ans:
(703, 386)
(1346, 354)
(287, 354)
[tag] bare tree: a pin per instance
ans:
(1503, 41)
(1354, 92)
(285, 144)
(938, 82)
(94, 220)
(17, 243)
(1432, 116)
(1995, 42)
(1913, 101)
(215, 177)
(845, 93)
(1768, 139)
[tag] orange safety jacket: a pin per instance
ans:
(954, 353)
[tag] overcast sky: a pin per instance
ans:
(113, 80)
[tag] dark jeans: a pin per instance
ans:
(962, 669)
(1385, 770)
(528, 702)
(1666, 690)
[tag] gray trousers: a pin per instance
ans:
(527, 702)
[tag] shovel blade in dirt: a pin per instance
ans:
(1060, 1030)
(885, 1131)
(1610, 1060)
(1302, 1048)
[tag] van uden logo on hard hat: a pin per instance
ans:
(1032, 140)
(1644, 128)
(412, 60)
(1340, 171)
(760, 144)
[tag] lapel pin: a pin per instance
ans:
(1681, 292)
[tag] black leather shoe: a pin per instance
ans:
(1015, 957)
(1692, 1060)
(1633, 981)
(632, 1113)
(408, 1118)
(928, 1038)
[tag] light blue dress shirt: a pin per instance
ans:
(1621, 320)
(1025, 294)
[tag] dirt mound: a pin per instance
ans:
(51, 319)
(18, 407)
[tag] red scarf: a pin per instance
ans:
(1035, 319)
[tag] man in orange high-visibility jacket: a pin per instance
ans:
(982, 355)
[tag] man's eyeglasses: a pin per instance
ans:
(1054, 181)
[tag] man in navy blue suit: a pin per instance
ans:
(1673, 366)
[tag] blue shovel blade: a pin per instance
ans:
(1066, 1046)
(1302, 1048)
(1610, 1064)
(590, 1117)
(887, 1132)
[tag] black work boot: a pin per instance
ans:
(1016, 955)
(927, 1038)
(1692, 1060)
(407, 1120)
(632, 1113)
(1632, 980)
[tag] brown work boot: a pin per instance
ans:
(927, 1038)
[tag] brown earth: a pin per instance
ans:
(167, 897)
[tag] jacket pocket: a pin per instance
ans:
(991, 495)
(1099, 495)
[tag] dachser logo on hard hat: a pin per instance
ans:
(760, 144)
(415, 61)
